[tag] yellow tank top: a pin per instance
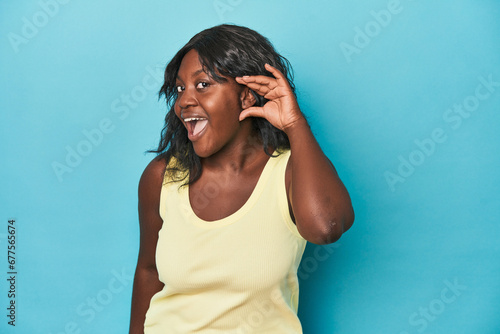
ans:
(234, 275)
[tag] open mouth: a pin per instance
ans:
(195, 125)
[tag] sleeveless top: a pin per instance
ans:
(233, 275)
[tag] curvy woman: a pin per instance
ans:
(238, 187)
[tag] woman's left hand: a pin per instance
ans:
(282, 110)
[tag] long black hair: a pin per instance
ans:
(224, 51)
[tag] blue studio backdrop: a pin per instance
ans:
(403, 96)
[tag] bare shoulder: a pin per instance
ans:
(152, 177)
(150, 186)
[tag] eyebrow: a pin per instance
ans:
(192, 75)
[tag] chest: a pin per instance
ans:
(251, 249)
(227, 234)
(215, 197)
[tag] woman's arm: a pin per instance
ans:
(146, 282)
(320, 203)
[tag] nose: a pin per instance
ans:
(186, 99)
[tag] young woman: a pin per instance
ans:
(238, 187)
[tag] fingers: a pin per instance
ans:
(264, 80)
(257, 79)
(277, 74)
(258, 88)
(252, 112)
(264, 84)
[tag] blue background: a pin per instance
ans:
(371, 96)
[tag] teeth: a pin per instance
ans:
(194, 119)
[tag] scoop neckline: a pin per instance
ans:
(250, 202)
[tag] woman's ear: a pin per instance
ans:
(247, 98)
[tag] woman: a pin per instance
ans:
(238, 187)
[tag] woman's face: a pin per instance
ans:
(208, 109)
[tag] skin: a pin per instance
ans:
(232, 157)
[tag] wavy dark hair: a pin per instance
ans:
(224, 51)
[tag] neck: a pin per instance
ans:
(237, 157)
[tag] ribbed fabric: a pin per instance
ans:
(234, 275)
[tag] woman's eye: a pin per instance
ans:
(202, 85)
(179, 89)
